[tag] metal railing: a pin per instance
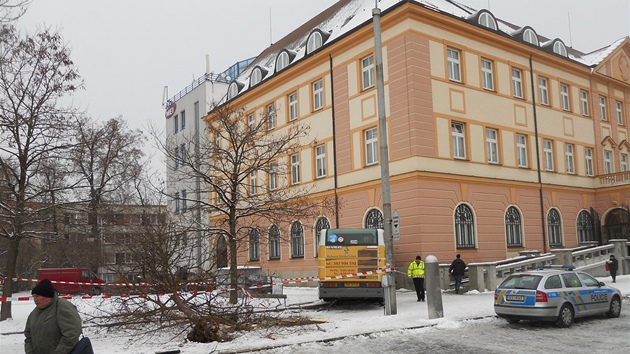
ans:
(205, 77)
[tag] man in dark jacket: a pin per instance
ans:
(54, 326)
(613, 266)
(458, 267)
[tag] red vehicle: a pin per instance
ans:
(82, 280)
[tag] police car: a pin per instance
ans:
(557, 295)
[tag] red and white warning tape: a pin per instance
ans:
(222, 290)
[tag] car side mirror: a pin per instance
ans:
(601, 283)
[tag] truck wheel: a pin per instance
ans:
(565, 317)
(96, 291)
(615, 308)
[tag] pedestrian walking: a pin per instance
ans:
(457, 268)
(613, 265)
(54, 325)
(416, 271)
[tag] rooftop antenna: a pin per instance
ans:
(270, 36)
(570, 38)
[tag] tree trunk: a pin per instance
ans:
(7, 291)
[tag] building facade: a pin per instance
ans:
(500, 140)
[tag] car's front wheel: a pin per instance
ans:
(615, 308)
(565, 317)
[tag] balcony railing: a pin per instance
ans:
(615, 178)
(205, 77)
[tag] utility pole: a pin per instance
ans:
(390, 290)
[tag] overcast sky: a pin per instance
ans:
(128, 51)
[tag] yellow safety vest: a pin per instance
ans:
(416, 270)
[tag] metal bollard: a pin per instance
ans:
(432, 285)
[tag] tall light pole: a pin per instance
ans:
(390, 291)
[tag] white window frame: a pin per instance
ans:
(454, 64)
(255, 77)
(588, 156)
(521, 148)
(273, 176)
(548, 149)
(318, 95)
(492, 144)
(543, 90)
(252, 183)
(293, 106)
(320, 161)
(295, 169)
(371, 146)
(282, 61)
(251, 122)
(619, 110)
(564, 97)
(367, 72)
(623, 158)
(584, 102)
(458, 137)
(271, 115)
(517, 82)
(487, 74)
(530, 36)
(608, 164)
(314, 42)
(603, 110)
(570, 158)
(486, 20)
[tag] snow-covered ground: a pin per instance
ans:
(340, 322)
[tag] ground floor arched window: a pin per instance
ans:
(374, 219)
(297, 240)
(274, 242)
(513, 227)
(585, 227)
(554, 227)
(464, 227)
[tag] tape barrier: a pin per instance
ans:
(221, 290)
(33, 280)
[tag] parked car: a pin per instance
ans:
(73, 280)
(557, 295)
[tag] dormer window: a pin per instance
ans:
(233, 90)
(315, 40)
(282, 61)
(255, 77)
(530, 36)
(559, 48)
(486, 20)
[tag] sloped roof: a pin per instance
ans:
(347, 15)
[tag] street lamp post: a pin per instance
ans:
(390, 289)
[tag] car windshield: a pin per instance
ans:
(521, 281)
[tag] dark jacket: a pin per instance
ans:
(54, 329)
(613, 264)
(458, 267)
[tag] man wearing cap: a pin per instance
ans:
(416, 271)
(54, 326)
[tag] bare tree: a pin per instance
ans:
(35, 71)
(236, 156)
(11, 10)
(108, 157)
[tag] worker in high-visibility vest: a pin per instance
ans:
(416, 271)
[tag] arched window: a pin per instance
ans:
(255, 77)
(314, 42)
(559, 48)
(282, 61)
(234, 89)
(221, 252)
(374, 219)
(254, 245)
(585, 227)
(530, 36)
(464, 227)
(297, 240)
(554, 227)
(321, 224)
(513, 227)
(486, 20)
(274, 242)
